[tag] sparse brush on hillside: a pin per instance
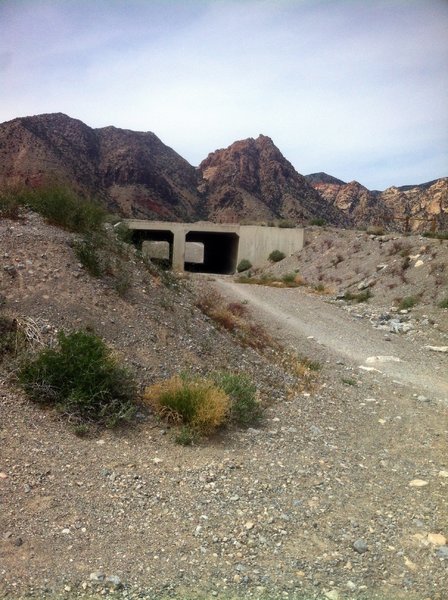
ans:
(234, 318)
(82, 378)
(57, 204)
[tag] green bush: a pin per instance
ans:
(319, 222)
(244, 265)
(439, 235)
(82, 378)
(289, 277)
(286, 224)
(443, 303)
(245, 409)
(276, 256)
(9, 205)
(361, 297)
(61, 206)
(407, 302)
(86, 251)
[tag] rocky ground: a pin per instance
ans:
(340, 494)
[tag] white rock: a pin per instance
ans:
(418, 483)
(419, 263)
(436, 539)
(437, 348)
(370, 369)
(382, 359)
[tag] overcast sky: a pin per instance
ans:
(355, 88)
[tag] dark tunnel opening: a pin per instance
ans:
(220, 252)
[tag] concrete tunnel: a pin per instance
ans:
(220, 252)
(220, 249)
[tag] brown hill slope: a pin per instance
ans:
(136, 174)
(252, 179)
(133, 172)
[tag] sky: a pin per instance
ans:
(355, 88)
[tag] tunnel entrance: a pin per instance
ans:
(162, 251)
(220, 252)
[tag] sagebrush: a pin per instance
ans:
(82, 378)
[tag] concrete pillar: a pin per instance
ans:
(178, 250)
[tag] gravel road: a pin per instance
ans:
(293, 314)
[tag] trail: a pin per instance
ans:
(294, 315)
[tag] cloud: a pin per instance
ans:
(350, 85)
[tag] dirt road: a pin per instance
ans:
(294, 314)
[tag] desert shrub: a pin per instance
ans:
(360, 297)
(196, 403)
(81, 378)
(61, 206)
(286, 224)
(407, 302)
(289, 278)
(244, 265)
(276, 256)
(443, 303)
(86, 252)
(9, 205)
(123, 232)
(186, 436)
(375, 230)
(319, 222)
(245, 410)
(439, 235)
(11, 338)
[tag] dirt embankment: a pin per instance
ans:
(341, 494)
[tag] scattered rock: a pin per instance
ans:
(442, 552)
(382, 359)
(418, 483)
(360, 546)
(437, 348)
(436, 539)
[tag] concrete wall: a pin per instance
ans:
(255, 242)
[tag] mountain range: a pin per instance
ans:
(136, 175)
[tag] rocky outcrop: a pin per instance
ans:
(252, 180)
(407, 208)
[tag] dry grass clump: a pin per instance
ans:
(198, 404)
(234, 318)
(288, 280)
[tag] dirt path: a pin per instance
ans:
(293, 314)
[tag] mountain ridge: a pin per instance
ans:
(136, 175)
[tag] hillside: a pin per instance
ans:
(251, 179)
(406, 208)
(319, 502)
(136, 175)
